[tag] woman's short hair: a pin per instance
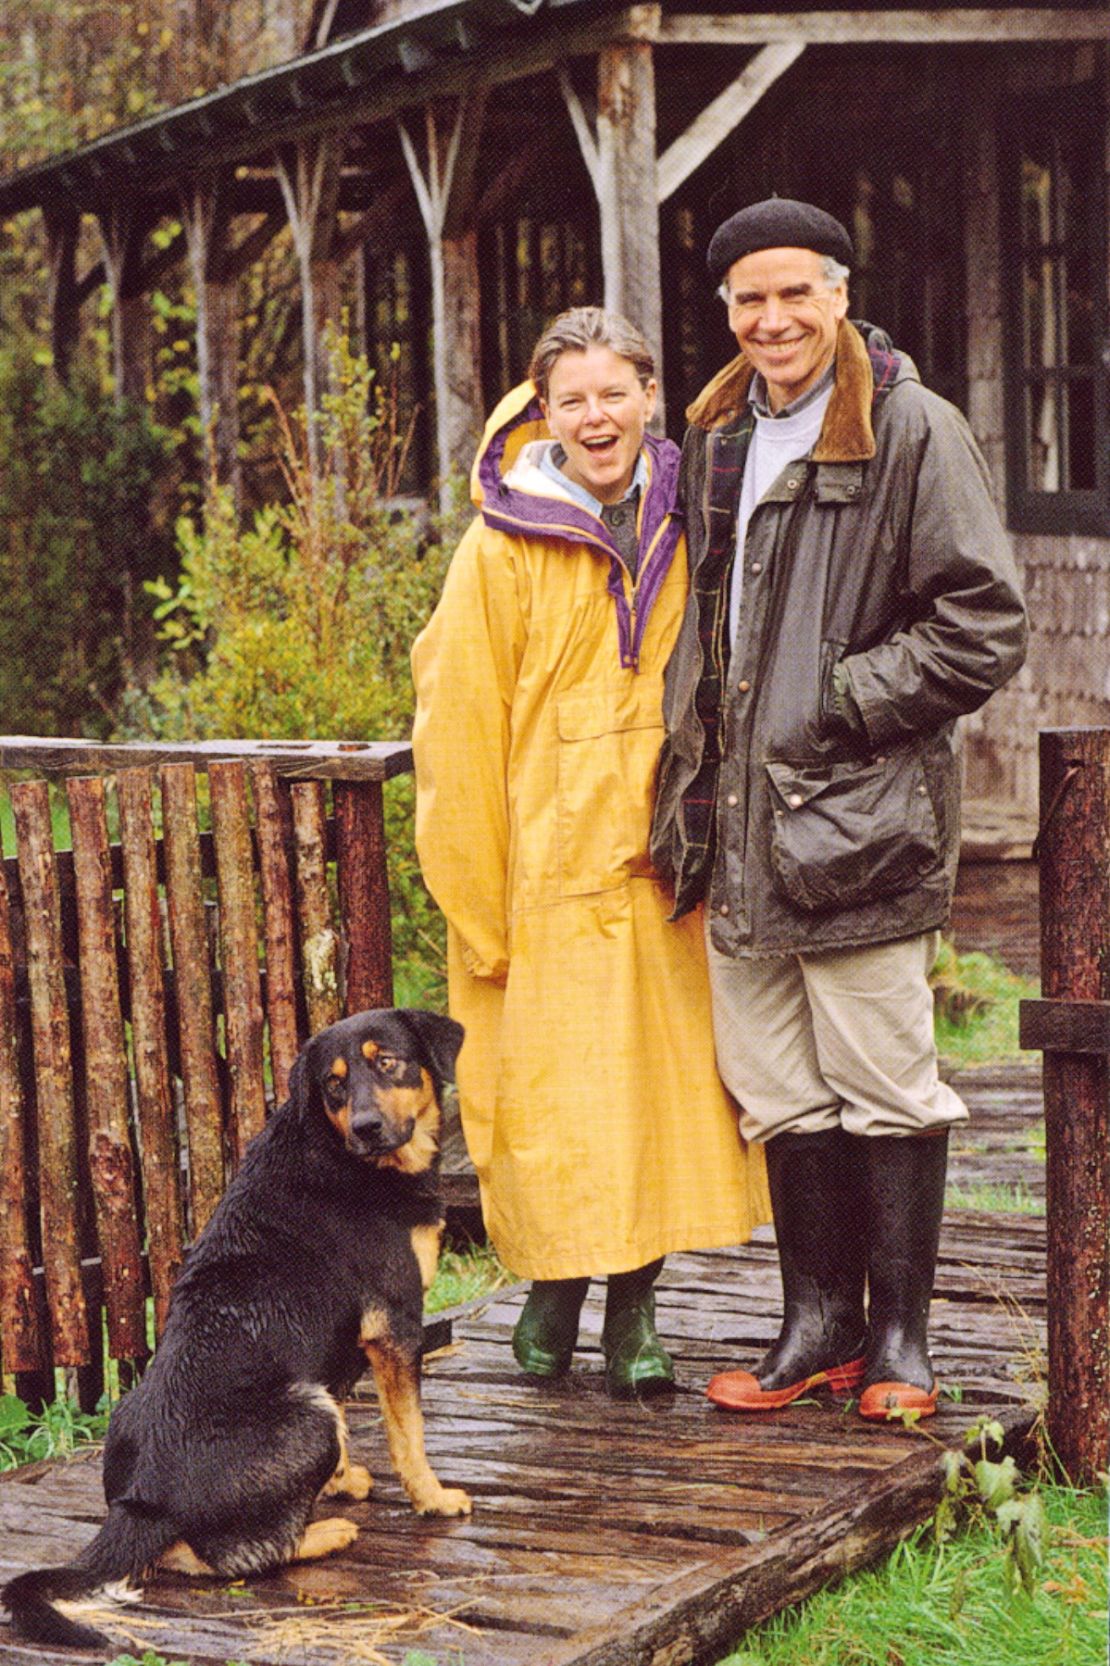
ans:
(582, 327)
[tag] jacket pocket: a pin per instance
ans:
(848, 833)
(609, 742)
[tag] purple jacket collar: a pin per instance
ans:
(531, 515)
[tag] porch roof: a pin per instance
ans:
(434, 47)
(435, 38)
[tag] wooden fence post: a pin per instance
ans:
(364, 893)
(1071, 1023)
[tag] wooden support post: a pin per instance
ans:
(21, 1341)
(319, 942)
(231, 834)
(62, 226)
(1075, 968)
(620, 158)
(206, 218)
(309, 173)
(146, 984)
(123, 231)
(193, 990)
(363, 893)
(55, 1110)
(274, 823)
(444, 186)
(107, 1091)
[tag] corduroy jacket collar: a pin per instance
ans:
(863, 368)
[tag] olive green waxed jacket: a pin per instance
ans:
(876, 568)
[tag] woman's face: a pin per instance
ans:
(597, 408)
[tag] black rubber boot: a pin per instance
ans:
(904, 1180)
(547, 1330)
(816, 1199)
(636, 1362)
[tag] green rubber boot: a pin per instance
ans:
(545, 1333)
(636, 1362)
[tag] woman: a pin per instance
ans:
(589, 1095)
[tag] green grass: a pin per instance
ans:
(950, 1604)
(464, 1274)
(1014, 1198)
(55, 1432)
(976, 1008)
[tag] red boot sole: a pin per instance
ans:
(881, 1402)
(740, 1390)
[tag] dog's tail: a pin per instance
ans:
(129, 1542)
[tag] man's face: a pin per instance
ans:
(785, 317)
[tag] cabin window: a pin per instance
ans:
(1058, 348)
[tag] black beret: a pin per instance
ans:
(778, 223)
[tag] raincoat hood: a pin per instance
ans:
(513, 495)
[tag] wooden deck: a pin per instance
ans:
(610, 1535)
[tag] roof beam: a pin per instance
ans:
(919, 28)
(713, 126)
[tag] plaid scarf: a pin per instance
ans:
(727, 454)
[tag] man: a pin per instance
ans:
(852, 594)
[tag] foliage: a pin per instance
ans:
(78, 536)
(1007, 1197)
(976, 1002)
(463, 1275)
(299, 624)
(55, 1432)
(983, 1596)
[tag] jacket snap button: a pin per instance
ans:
(881, 759)
(757, 566)
(921, 791)
(792, 485)
(732, 800)
(795, 801)
(744, 685)
(723, 908)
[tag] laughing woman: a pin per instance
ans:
(587, 1084)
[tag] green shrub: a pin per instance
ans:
(299, 625)
(78, 538)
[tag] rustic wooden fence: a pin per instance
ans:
(154, 989)
(1071, 1025)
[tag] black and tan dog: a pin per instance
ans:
(313, 1264)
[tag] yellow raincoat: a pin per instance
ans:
(589, 1094)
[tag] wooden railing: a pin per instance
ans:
(155, 987)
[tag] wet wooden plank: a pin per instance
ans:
(193, 991)
(659, 1530)
(295, 759)
(242, 988)
(107, 1077)
(55, 1110)
(146, 980)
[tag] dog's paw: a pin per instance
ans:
(445, 1501)
(353, 1482)
(324, 1538)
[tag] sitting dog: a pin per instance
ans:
(313, 1264)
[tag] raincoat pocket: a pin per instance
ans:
(848, 833)
(609, 742)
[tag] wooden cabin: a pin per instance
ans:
(466, 168)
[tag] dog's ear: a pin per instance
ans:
(301, 1080)
(440, 1037)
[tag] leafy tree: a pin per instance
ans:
(299, 624)
(78, 538)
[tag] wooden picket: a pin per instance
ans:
(154, 991)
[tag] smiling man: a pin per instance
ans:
(852, 595)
